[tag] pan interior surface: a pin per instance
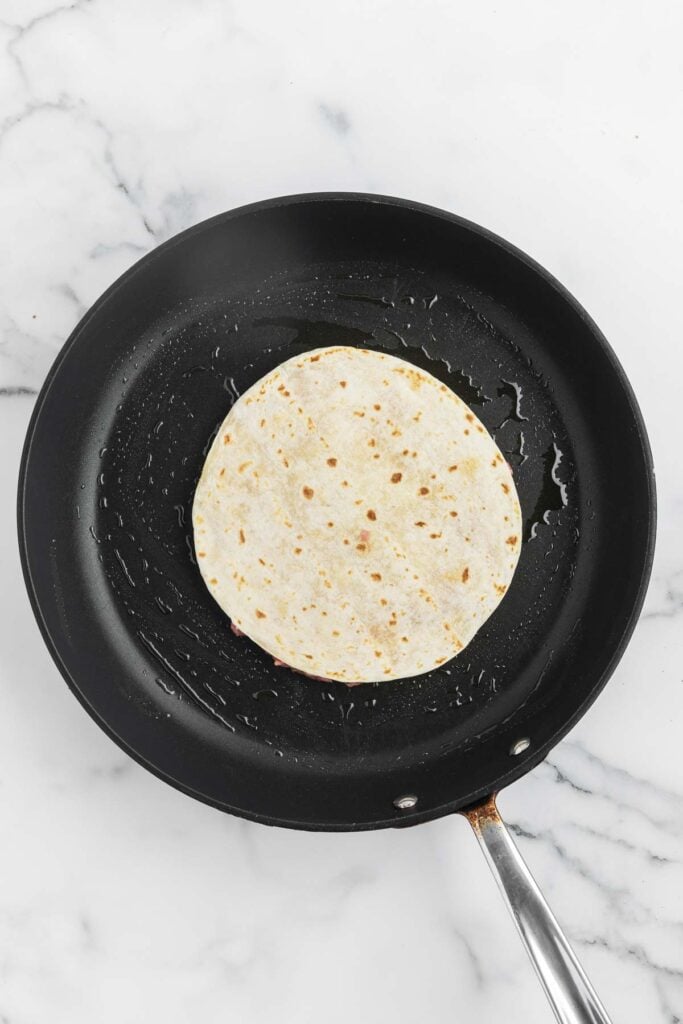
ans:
(118, 440)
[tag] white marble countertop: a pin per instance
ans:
(122, 122)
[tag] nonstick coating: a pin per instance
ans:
(118, 439)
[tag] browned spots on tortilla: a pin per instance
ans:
(358, 501)
(226, 439)
(377, 576)
(420, 523)
(376, 456)
(241, 536)
(465, 431)
(453, 513)
(406, 451)
(222, 472)
(330, 525)
(371, 443)
(404, 639)
(309, 656)
(505, 488)
(297, 551)
(446, 626)
(465, 575)
(480, 428)
(377, 408)
(435, 536)
(452, 469)
(500, 588)
(263, 423)
(335, 632)
(361, 547)
(511, 540)
(213, 580)
(378, 654)
(371, 514)
(342, 383)
(307, 492)
(396, 432)
(261, 561)
(424, 490)
(345, 483)
(469, 417)
(346, 540)
(285, 463)
(331, 462)
(201, 554)
(396, 478)
(439, 661)
(243, 466)
(260, 614)
(314, 359)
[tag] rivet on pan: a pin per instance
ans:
(520, 746)
(405, 803)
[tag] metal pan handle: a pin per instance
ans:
(571, 994)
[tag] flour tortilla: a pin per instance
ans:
(354, 517)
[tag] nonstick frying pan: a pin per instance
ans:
(114, 450)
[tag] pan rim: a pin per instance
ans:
(536, 755)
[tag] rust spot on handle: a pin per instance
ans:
(482, 813)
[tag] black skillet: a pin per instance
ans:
(117, 441)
